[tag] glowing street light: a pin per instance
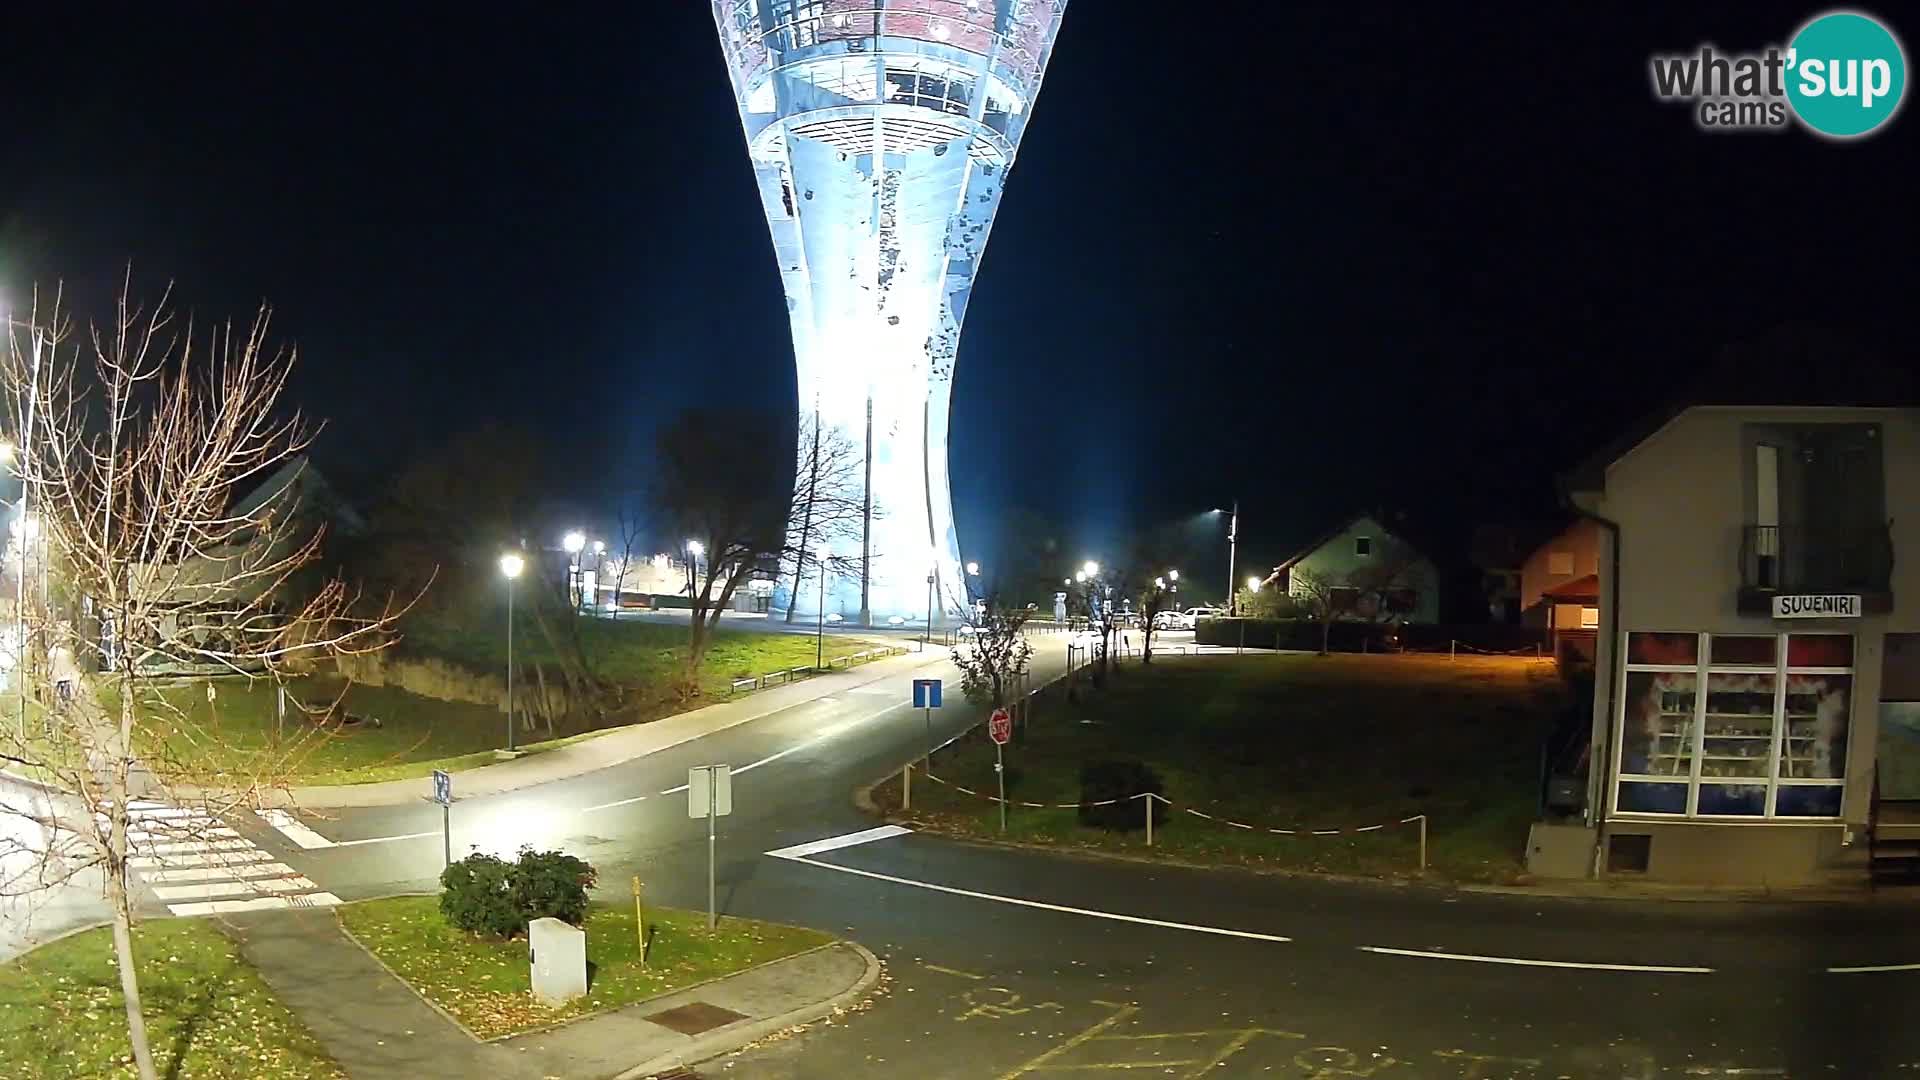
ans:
(1159, 583)
(1092, 568)
(573, 542)
(973, 569)
(1080, 577)
(1173, 575)
(1253, 584)
(511, 564)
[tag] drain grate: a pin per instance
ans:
(695, 1017)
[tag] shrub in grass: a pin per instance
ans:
(476, 894)
(485, 895)
(551, 884)
(1119, 781)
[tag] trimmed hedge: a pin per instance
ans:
(486, 895)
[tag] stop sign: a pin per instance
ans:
(1000, 726)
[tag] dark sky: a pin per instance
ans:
(1314, 256)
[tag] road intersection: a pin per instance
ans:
(1011, 963)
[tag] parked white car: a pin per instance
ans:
(1172, 620)
(1195, 614)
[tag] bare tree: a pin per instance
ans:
(1380, 592)
(827, 510)
(726, 491)
(131, 446)
(995, 655)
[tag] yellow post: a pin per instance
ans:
(639, 923)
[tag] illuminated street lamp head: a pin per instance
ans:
(599, 547)
(1253, 583)
(1173, 575)
(695, 547)
(511, 565)
(573, 542)
(1092, 568)
(1159, 583)
(1066, 581)
(1081, 577)
(973, 569)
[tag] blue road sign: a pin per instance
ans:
(442, 787)
(926, 693)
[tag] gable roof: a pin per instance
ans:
(1796, 365)
(1345, 524)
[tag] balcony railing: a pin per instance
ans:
(1816, 558)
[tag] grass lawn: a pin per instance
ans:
(1283, 742)
(235, 736)
(209, 1016)
(625, 652)
(484, 982)
(236, 732)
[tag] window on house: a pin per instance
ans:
(1560, 563)
(1589, 618)
(1363, 546)
(1741, 726)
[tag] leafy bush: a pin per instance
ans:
(476, 894)
(485, 895)
(551, 884)
(1120, 781)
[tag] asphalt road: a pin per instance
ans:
(1011, 964)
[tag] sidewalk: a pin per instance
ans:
(377, 1028)
(619, 744)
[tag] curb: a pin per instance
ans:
(706, 1047)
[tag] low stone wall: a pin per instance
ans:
(426, 677)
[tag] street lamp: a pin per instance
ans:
(694, 550)
(1253, 584)
(1092, 568)
(510, 566)
(1233, 539)
(820, 617)
(571, 544)
(1080, 577)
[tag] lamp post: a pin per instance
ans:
(820, 616)
(1233, 539)
(592, 596)
(510, 565)
(20, 598)
(572, 543)
(694, 548)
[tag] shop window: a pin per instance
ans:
(1820, 650)
(1755, 726)
(1744, 650)
(1589, 618)
(1682, 650)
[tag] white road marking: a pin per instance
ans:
(294, 829)
(258, 903)
(206, 890)
(1871, 968)
(611, 805)
(186, 846)
(139, 836)
(835, 843)
(385, 839)
(675, 790)
(1515, 961)
(219, 873)
(228, 857)
(1062, 908)
(829, 732)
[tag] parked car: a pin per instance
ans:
(1172, 620)
(1195, 614)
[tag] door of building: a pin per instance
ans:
(1897, 756)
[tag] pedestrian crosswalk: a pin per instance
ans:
(197, 865)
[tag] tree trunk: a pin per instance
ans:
(118, 801)
(1326, 635)
(806, 521)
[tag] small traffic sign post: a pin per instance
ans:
(1000, 728)
(710, 795)
(926, 695)
(443, 794)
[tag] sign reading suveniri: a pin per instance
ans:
(1816, 607)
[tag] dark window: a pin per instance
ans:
(1363, 546)
(1628, 854)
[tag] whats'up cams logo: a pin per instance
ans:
(1842, 76)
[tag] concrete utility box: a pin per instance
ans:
(558, 954)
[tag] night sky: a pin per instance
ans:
(1317, 257)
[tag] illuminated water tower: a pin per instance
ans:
(881, 133)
